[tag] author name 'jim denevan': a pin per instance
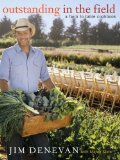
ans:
(41, 150)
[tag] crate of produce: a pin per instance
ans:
(30, 113)
(37, 124)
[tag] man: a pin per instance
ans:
(22, 67)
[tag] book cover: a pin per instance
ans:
(77, 38)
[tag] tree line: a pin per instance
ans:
(59, 35)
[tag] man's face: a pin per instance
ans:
(23, 37)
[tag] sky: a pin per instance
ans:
(87, 11)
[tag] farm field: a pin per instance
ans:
(84, 58)
(93, 130)
(106, 47)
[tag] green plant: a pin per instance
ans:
(54, 102)
(12, 112)
(7, 42)
(96, 135)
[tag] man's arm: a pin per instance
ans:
(4, 72)
(48, 84)
(3, 85)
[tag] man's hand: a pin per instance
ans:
(48, 84)
(3, 85)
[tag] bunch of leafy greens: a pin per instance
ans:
(12, 112)
(55, 103)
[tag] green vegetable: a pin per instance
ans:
(12, 112)
(55, 103)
